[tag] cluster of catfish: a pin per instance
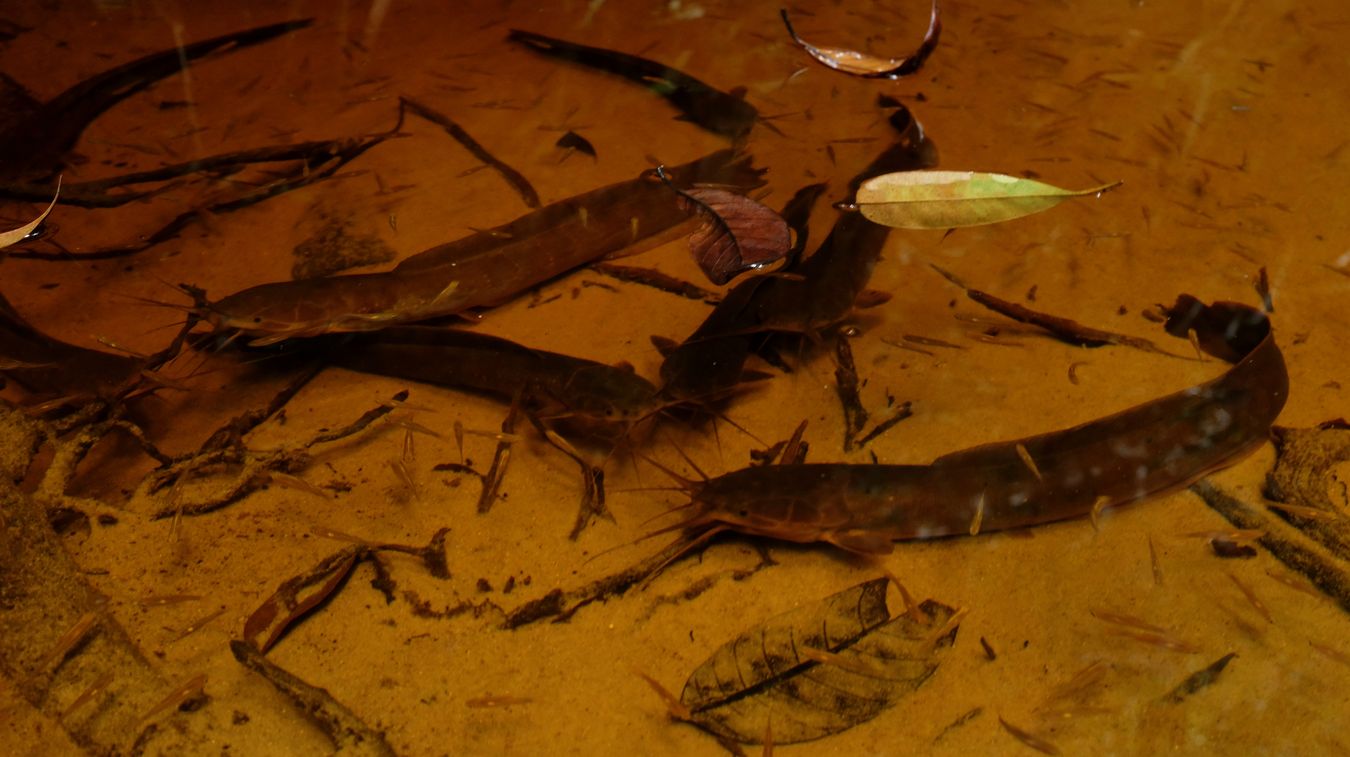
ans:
(373, 311)
(364, 321)
(1140, 452)
(869, 659)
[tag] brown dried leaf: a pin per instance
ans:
(297, 596)
(873, 66)
(763, 673)
(737, 233)
(300, 594)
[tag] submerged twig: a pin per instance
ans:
(846, 386)
(323, 162)
(501, 457)
(657, 280)
(1063, 329)
(347, 731)
(298, 595)
(561, 604)
(513, 177)
(1312, 560)
(253, 467)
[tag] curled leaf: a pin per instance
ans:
(817, 670)
(737, 233)
(15, 236)
(952, 199)
(872, 66)
(297, 596)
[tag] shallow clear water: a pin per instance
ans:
(1223, 120)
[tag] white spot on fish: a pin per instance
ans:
(1124, 449)
(1217, 422)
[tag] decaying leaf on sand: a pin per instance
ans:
(953, 199)
(819, 669)
(872, 66)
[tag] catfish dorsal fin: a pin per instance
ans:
(664, 345)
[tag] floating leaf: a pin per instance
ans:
(817, 670)
(737, 233)
(872, 66)
(16, 235)
(951, 199)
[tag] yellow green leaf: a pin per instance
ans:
(950, 199)
(8, 238)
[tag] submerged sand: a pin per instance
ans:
(1222, 119)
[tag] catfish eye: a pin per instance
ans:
(745, 513)
(257, 319)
